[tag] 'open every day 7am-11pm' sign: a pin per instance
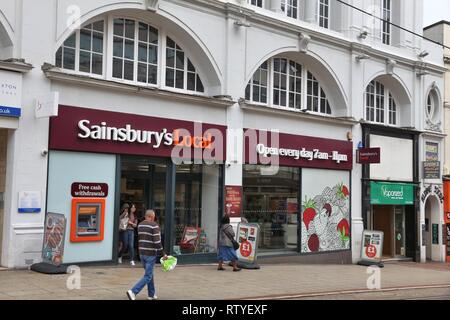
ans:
(391, 193)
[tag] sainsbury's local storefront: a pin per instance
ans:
(297, 188)
(135, 159)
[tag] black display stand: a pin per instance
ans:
(48, 268)
(244, 265)
(371, 263)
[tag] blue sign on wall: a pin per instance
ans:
(10, 112)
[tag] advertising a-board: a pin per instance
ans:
(247, 237)
(54, 234)
(372, 248)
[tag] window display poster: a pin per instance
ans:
(325, 212)
(29, 202)
(233, 201)
(372, 247)
(247, 236)
(448, 241)
(431, 151)
(190, 237)
(54, 234)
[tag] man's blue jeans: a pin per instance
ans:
(148, 262)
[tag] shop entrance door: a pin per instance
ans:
(382, 221)
(143, 183)
(399, 232)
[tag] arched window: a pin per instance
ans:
(84, 50)
(281, 82)
(380, 104)
(180, 72)
(136, 56)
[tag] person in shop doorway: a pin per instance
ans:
(128, 242)
(226, 250)
(150, 248)
(123, 225)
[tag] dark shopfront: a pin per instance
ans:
(302, 205)
(390, 200)
(186, 196)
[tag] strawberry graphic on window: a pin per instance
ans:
(313, 243)
(343, 192)
(310, 212)
(344, 230)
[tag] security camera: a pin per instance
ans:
(44, 152)
(363, 34)
(423, 54)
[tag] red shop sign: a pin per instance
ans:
(233, 201)
(368, 155)
(262, 147)
(91, 130)
(89, 190)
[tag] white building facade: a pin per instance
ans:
(130, 75)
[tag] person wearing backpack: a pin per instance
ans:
(227, 245)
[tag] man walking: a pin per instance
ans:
(150, 248)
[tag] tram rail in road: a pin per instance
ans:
(399, 290)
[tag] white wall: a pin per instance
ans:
(396, 159)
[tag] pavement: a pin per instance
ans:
(401, 280)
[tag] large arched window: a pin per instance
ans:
(140, 54)
(380, 104)
(281, 82)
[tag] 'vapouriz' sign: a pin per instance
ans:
(271, 148)
(82, 129)
(391, 193)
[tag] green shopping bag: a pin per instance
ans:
(169, 264)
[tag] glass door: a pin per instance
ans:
(143, 183)
(399, 232)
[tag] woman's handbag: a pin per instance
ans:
(236, 244)
(123, 223)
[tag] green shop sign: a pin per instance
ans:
(391, 193)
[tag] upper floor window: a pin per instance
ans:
(380, 104)
(290, 8)
(324, 13)
(258, 3)
(83, 50)
(136, 55)
(386, 24)
(286, 83)
(180, 72)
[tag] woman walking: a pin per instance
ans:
(129, 233)
(226, 250)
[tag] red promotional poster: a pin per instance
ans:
(190, 237)
(246, 249)
(233, 201)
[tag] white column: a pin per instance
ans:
(311, 11)
(275, 5)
